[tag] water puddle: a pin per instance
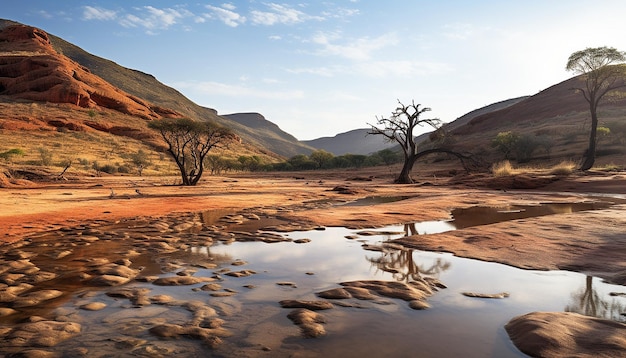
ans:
(483, 215)
(455, 325)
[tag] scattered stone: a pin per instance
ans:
(288, 284)
(486, 295)
(308, 321)
(211, 287)
(393, 289)
(41, 334)
(243, 273)
(419, 304)
(302, 241)
(222, 294)
(109, 280)
(35, 298)
(238, 263)
(188, 272)
(180, 280)
(210, 336)
(5, 311)
(137, 296)
(310, 305)
(35, 353)
(93, 306)
(335, 294)
(162, 299)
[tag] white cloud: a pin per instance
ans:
(98, 13)
(226, 14)
(359, 49)
(224, 89)
(280, 14)
(154, 19)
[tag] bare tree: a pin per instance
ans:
(399, 127)
(189, 142)
(600, 76)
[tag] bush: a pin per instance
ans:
(10, 153)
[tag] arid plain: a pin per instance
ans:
(589, 241)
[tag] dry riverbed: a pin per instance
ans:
(80, 237)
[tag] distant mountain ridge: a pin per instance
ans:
(356, 141)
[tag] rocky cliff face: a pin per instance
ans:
(31, 69)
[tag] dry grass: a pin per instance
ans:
(564, 168)
(502, 169)
(505, 168)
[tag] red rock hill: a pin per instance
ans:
(31, 69)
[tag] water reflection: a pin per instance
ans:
(483, 215)
(403, 267)
(589, 302)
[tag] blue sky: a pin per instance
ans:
(318, 68)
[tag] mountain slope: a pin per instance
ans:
(556, 119)
(276, 139)
(149, 88)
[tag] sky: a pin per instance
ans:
(319, 68)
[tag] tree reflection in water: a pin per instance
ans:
(400, 263)
(588, 302)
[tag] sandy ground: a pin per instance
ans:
(587, 241)
(592, 242)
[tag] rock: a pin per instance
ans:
(41, 334)
(4, 311)
(288, 284)
(211, 287)
(180, 280)
(162, 299)
(116, 270)
(93, 306)
(36, 297)
(335, 293)
(486, 295)
(310, 305)
(419, 304)
(35, 353)
(138, 296)
(567, 334)
(308, 321)
(302, 241)
(210, 336)
(242, 273)
(360, 293)
(109, 280)
(391, 289)
(39, 73)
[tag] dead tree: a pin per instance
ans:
(399, 128)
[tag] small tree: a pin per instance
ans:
(505, 142)
(189, 142)
(600, 76)
(399, 128)
(140, 160)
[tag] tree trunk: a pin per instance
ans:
(405, 174)
(590, 155)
